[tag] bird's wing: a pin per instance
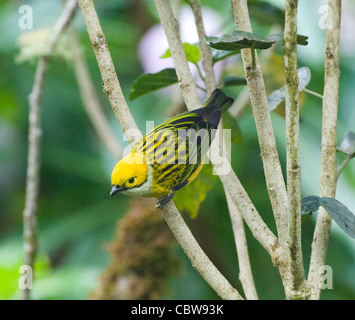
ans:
(153, 139)
(188, 153)
(177, 147)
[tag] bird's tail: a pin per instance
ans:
(220, 100)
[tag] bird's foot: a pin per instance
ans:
(161, 202)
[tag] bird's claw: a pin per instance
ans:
(161, 202)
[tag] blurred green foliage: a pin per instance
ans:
(76, 216)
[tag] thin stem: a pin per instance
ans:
(198, 258)
(243, 99)
(245, 275)
(273, 173)
(91, 101)
(272, 167)
(241, 103)
(234, 188)
(343, 164)
(297, 286)
(201, 88)
(206, 52)
(313, 93)
(34, 139)
(33, 171)
(200, 73)
(171, 29)
(111, 85)
(329, 161)
(170, 213)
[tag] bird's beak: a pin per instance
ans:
(116, 189)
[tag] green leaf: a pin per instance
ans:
(193, 53)
(347, 146)
(237, 40)
(152, 81)
(166, 54)
(189, 199)
(233, 81)
(310, 204)
(301, 40)
(304, 77)
(277, 96)
(344, 218)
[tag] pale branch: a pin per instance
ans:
(298, 287)
(171, 29)
(245, 274)
(272, 167)
(206, 53)
(222, 166)
(198, 258)
(170, 213)
(33, 171)
(241, 103)
(111, 84)
(34, 139)
(91, 101)
(273, 173)
(328, 149)
(237, 193)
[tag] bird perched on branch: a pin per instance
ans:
(171, 155)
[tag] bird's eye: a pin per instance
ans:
(131, 180)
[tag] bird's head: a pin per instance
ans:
(129, 173)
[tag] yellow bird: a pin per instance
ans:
(171, 155)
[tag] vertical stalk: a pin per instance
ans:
(111, 85)
(33, 171)
(171, 29)
(91, 100)
(297, 285)
(34, 141)
(206, 52)
(329, 127)
(272, 167)
(245, 272)
(245, 275)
